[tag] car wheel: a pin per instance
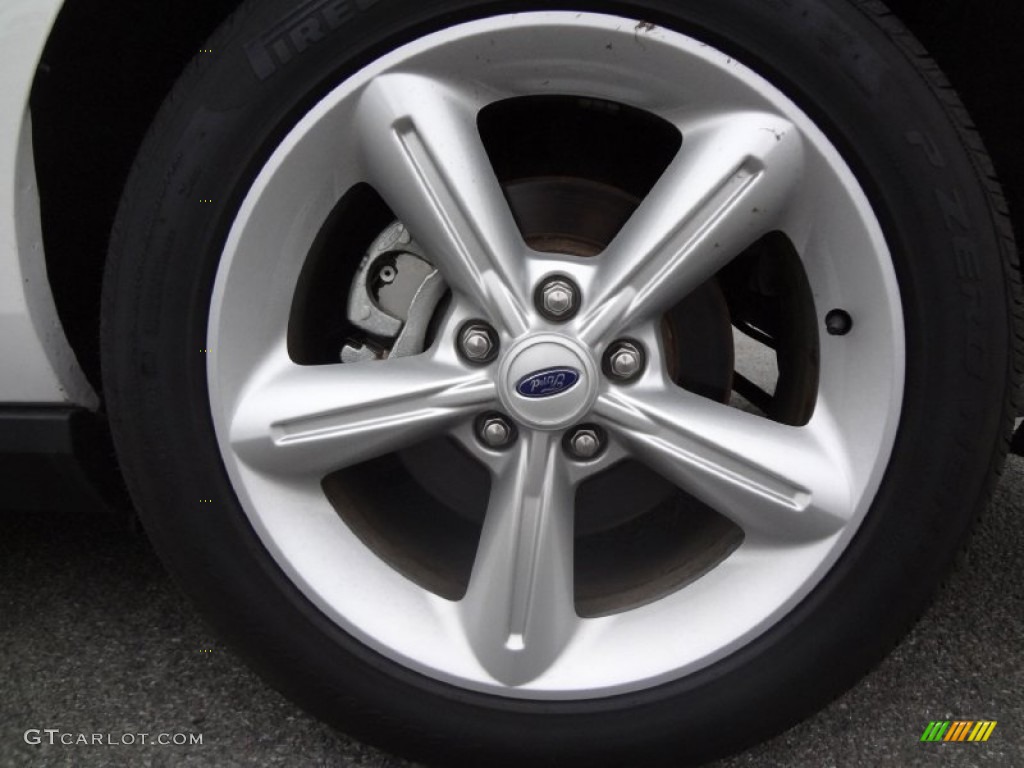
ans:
(609, 382)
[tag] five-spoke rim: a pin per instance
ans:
(751, 163)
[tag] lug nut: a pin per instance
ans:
(496, 432)
(478, 342)
(624, 360)
(585, 443)
(558, 298)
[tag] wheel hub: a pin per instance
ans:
(547, 381)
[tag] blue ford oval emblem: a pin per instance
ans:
(548, 382)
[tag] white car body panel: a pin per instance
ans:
(39, 366)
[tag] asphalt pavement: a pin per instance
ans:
(94, 639)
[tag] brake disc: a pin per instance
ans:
(561, 215)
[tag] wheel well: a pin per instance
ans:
(109, 64)
(106, 68)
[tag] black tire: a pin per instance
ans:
(853, 68)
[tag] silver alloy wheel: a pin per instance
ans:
(751, 163)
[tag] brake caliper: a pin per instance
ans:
(393, 298)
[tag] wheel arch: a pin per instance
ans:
(107, 67)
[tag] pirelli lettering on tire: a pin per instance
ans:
(301, 29)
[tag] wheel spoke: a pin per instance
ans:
(518, 612)
(779, 483)
(727, 187)
(424, 155)
(297, 420)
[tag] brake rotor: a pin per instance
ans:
(579, 217)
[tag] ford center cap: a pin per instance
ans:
(548, 381)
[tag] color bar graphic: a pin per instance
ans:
(959, 730)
